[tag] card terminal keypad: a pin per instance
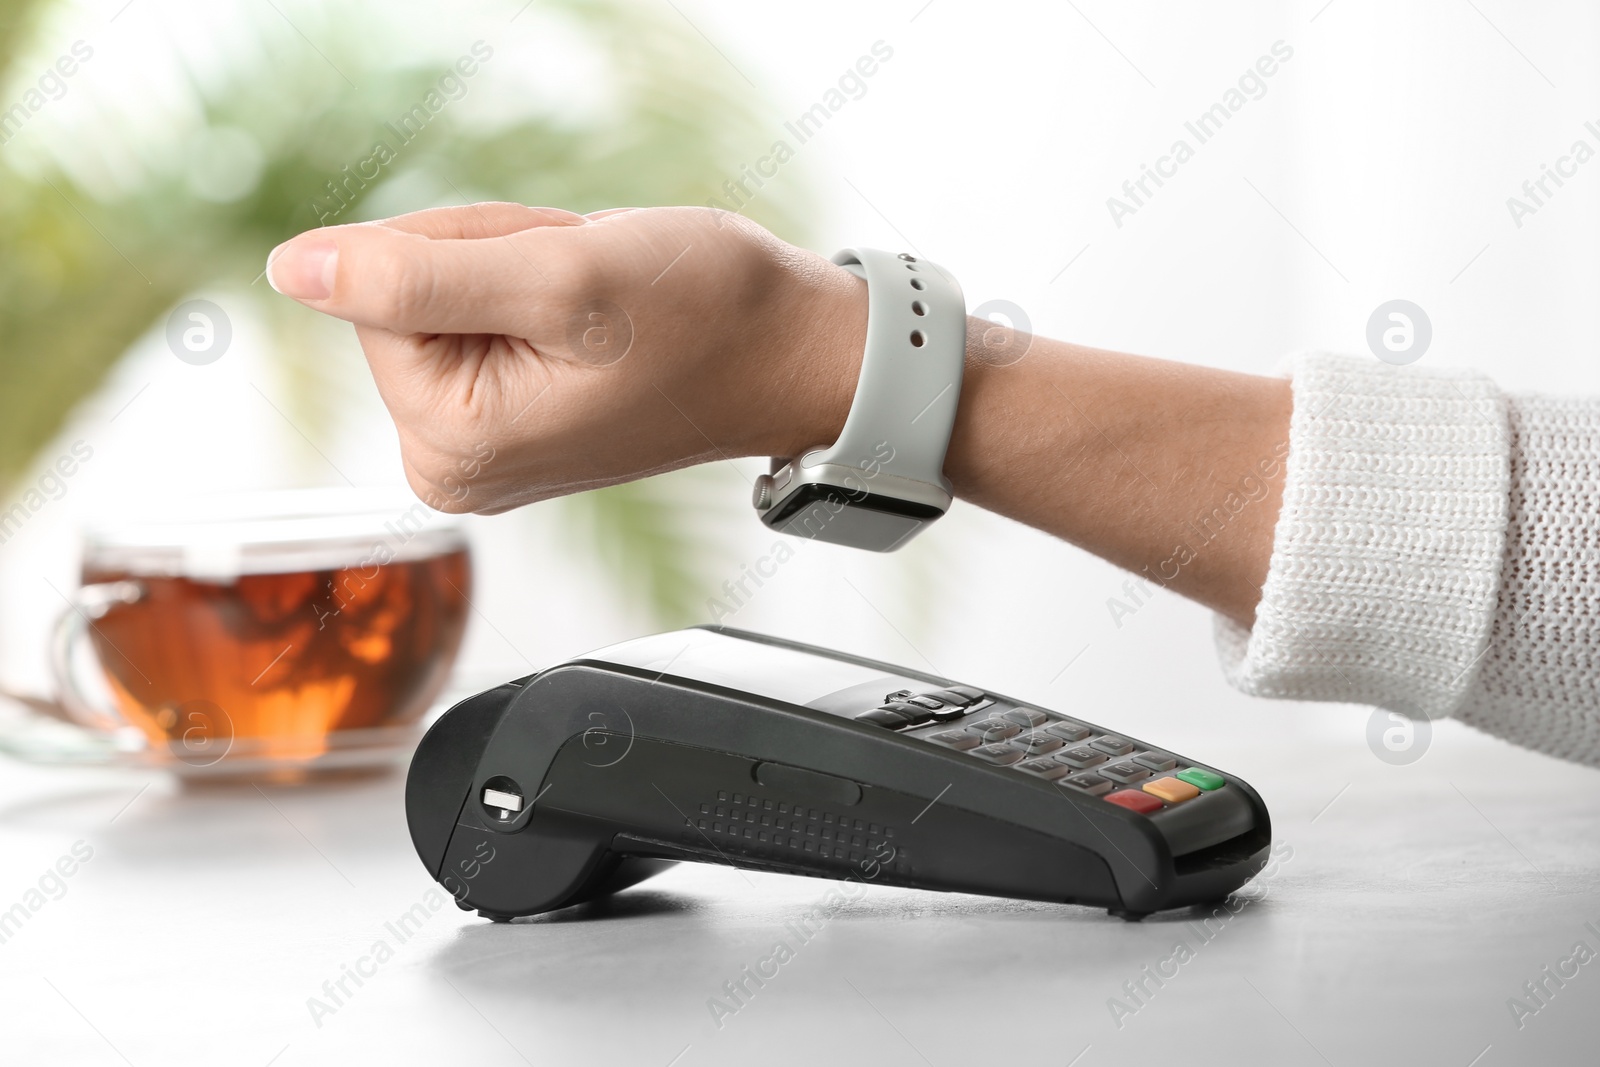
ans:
(1073, 754)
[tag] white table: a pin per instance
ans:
(1418, 900)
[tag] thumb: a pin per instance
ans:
(408, 283)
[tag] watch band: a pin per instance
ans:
(905, 402)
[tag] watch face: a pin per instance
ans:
(840, 516)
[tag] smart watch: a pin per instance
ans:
(883, 480)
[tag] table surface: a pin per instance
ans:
(1412, 906)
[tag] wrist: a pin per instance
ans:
(817, 342)
(997, 367)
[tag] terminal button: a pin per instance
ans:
(1171, 790)
(1040, 743)
(1047, 769)
(1126, 773)
(1134, 800)
(960, 740)
(995, 730)
(1000, 754)
(1203, 779)
(887, 718)
(1069, 731)
(1092, 784)
(948, 713)
(1081, 757)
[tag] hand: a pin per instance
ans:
(526, 352)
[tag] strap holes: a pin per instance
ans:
(917, 339)
(916, 283)
(918, 308)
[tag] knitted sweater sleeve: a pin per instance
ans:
(1437, 554)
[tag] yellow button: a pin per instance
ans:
(1171, 790)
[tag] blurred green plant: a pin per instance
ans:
(101, 242)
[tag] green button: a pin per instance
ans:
(1203, 779)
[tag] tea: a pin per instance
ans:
(271, 663)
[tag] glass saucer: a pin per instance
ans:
(28, 734)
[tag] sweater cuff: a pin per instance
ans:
(1387, 553)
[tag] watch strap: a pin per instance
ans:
(910, 383)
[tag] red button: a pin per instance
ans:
(1135, 800)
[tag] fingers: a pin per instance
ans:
(408, 283)
(473, 221)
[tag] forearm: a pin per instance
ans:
(1169, 470)
(1172, 471)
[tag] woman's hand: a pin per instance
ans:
(529, 352)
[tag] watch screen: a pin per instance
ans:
(839, 516)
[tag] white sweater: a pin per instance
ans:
(1438, 554)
